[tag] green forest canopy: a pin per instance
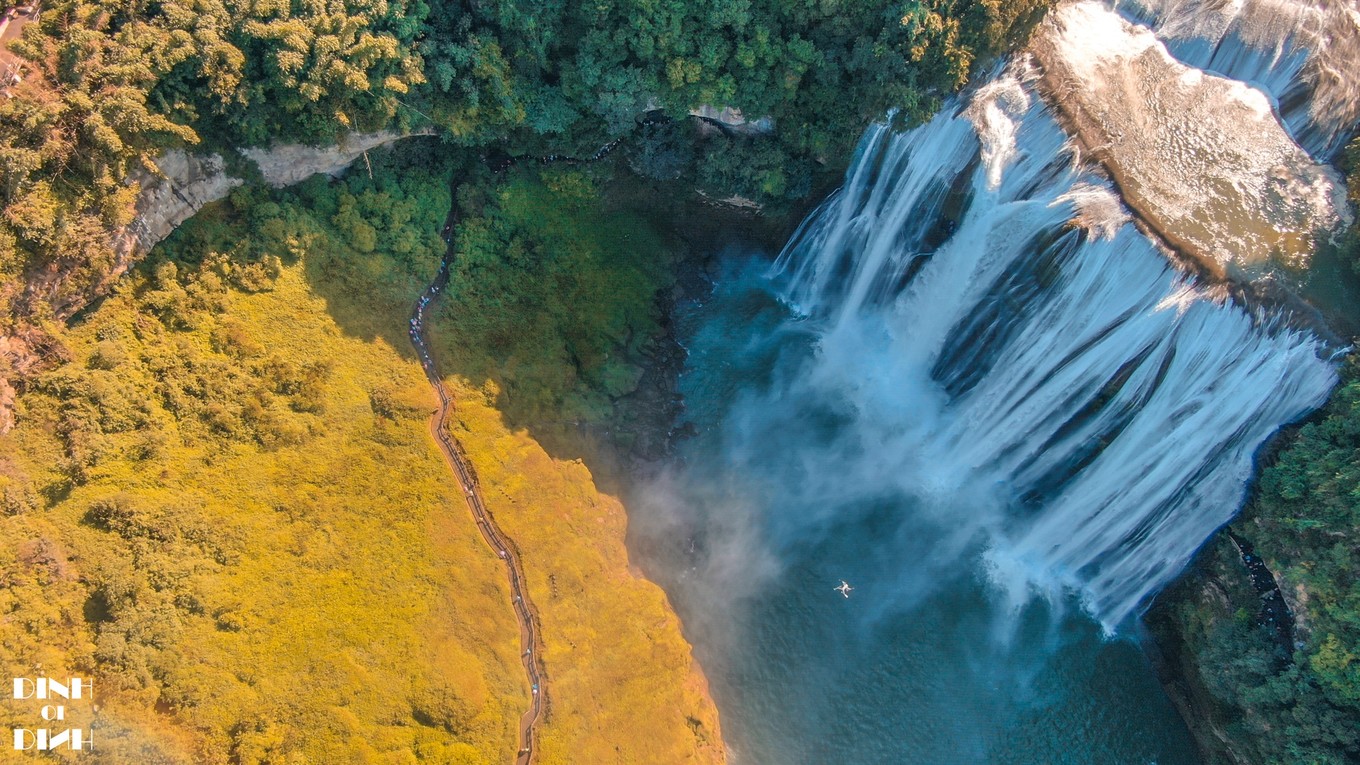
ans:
(114, 83)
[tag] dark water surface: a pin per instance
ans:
(925, 662)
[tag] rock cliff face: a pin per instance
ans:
(286, 164)
(182, 186)
(1190, 624)
(188, 182)
(185, 184)
(731, 119)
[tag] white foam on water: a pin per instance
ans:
(1062, 390)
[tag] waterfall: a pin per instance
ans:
(1301, 52)
(995, 328)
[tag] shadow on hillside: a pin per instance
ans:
(376, 304)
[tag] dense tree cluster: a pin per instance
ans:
(112, 83)
(553, 296)
(820, 68)
(69, 137)
(1304, 708)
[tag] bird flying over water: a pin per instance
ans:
(844, 588)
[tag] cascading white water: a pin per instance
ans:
(992, 385)
(997, 328)
(1302, 52)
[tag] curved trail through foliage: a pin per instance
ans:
(525, 613)
(502, 545)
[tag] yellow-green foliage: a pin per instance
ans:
(624, 687)
(268, 572)
(228, 510)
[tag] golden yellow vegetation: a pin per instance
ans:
(624, 687)
(324, 600)
(227, 509)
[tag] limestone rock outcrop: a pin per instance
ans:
(1203, 160)
(183, 184)
(286, 164)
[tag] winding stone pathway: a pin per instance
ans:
(525, 613)
(502, 545)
